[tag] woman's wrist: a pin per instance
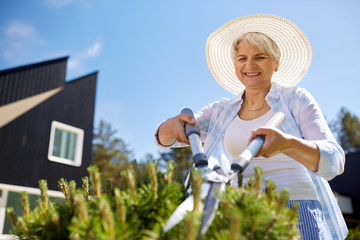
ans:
(304, 151)
(288, 147)
(161, 137)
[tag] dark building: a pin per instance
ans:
(46, 126)
(347, 185)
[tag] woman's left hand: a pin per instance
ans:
(275, 141)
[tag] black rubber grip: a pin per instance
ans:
(238, 168)
(190, 128)
(200, 160)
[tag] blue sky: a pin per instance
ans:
(150, 54)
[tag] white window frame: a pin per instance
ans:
(3, 204)
(6, 188)
(79, 144)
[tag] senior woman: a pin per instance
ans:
(261, 58)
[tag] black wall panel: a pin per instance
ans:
(23, 82)
(25, 140)
(348, 183)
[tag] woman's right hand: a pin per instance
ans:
(173, 129)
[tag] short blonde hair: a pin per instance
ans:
(261, 41)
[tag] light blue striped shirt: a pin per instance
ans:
(304, 119)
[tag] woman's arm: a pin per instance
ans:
(304, 151)
(317, 149)
(314, 127)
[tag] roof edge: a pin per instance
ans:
(81, 77)
(33, 65)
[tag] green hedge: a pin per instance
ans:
(140, 208)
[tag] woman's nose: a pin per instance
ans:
(250, 64)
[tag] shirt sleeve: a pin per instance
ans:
(314, 127)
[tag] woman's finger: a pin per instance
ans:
(259, 131)
(181, 136)
(184, 118)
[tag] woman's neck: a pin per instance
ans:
(254, 97)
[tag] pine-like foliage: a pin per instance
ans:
(354, 234)
(182, 157)
(140, 207)
(347, 128)
(110, 154)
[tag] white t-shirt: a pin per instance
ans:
(285, 171)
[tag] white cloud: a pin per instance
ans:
(77, 59)
(63, 3)
(59, 3)
(19, 40)
(74, 63)
(93, 50)
(20, 30)
(20, 43)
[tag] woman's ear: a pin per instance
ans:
(276, 67)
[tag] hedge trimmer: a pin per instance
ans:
(215, 179)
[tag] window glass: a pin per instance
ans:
(66, 144)
(14, 200)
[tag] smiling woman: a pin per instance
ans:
(254, 68)
(261, 58)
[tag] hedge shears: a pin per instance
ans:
(215, 179)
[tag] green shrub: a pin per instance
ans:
(140, 208)
(354, 234)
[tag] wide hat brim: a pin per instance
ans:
(295, 49)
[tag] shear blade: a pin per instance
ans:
(185, 206)
(210, 206)
(179, 213)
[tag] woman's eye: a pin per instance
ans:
(260, 57)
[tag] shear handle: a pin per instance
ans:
(242, 161)
(193, 134)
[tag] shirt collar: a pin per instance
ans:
(274, 93)
(237, 98)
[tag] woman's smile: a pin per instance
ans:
(253, 67)
(252, 74)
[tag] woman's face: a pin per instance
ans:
(253, 67)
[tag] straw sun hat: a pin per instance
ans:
(295, 49)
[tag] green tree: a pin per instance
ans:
(183, 159)
(110, 154)
(347, 129)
